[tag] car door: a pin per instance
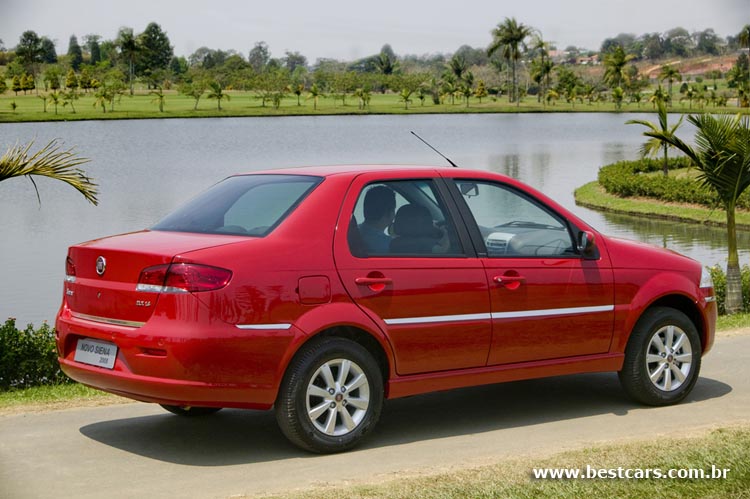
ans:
(431, 300)
(547, 300)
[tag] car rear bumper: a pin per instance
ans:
(200, 362)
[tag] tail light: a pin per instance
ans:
(182, 278)
(70, 270)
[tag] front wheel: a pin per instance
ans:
(662, 359)
(331, 396)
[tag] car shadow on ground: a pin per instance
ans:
(233, 437)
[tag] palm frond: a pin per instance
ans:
(50, 161)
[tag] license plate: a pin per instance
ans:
(96, 353)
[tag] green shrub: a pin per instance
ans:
(28, 357)
(720, 287)
(627, 179)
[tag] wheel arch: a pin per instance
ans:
(678, 302)
(347, 321)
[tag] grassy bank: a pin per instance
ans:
(593, 196)
(31, 107)
(512, 478)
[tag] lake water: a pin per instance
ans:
(146, 168)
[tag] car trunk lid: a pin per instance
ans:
(107, 272)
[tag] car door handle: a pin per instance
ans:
(369, 281)
(376, 284)
(509, 281)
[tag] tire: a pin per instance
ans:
(330, 397)
(190, 412)
(662, 358)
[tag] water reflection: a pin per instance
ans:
(708, 241)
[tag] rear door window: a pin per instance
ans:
(403, 218)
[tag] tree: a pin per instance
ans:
(43, 98)
(671, 75)
(75, 54)
(314, 94)
(158, 98)
(50, 162)
(28, 83)
(101, 97)
(466, 87)
(29, 50)
(481, 91)
(387, 62)
(457, 66)
(653, 146)
(52, 77)
(129, 49)
(155, 51)
(294, 60)
(722, 157)
(49, 54)
(54, 97)
(615, 62)
(215, 92)
(71, 81)
(509, 37)
(92, 45)
(364, 95)
(678, 42)
(16, 84)
(194, 90)
(69, 97)
(259, 56)
(3, 86)
(405, 97)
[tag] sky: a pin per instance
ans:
(348, 30)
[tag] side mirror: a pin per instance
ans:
(469, 189)
(587, 245)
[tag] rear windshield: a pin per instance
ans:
(245, 205)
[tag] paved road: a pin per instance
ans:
(137, 450)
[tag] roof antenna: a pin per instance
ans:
(441, 154)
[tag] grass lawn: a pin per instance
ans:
(512, 478)
(30, 107)
(592, 195)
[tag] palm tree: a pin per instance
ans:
(509, 37)
(159, 98)
(541, 68)
(69, 97)
(658, 96)
(405, 96)
(215, 92)
(457, 66)
(55, 98)
(129, 48)
(614, 67)
(315, 94)
(51, 162)
(449, 87)
(671, 75)
(653, 145)
(722, 156)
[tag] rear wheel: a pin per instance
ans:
(189, 412)
(662, 359)
(331, 396)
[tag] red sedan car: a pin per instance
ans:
(322, 291)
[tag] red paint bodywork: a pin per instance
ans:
(186, 349)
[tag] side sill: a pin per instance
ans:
(404, 386)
